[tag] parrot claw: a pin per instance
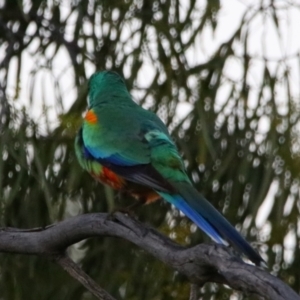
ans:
(124, 210)
(128, 210)
(120, 195)
(132, 223)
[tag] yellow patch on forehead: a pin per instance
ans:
(91, 117)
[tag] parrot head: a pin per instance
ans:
(106, 86)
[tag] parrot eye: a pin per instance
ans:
(149, 136)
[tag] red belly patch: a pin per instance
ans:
(139, 192)
(110, 178)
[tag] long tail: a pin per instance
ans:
(206, 217)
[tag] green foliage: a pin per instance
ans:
(238, 138)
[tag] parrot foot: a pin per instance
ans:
(128, 210)
(120, 195)
(130, 222)
(125, 210)
(135, 205)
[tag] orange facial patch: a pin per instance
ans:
(91, 117)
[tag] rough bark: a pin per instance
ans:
(202, 263)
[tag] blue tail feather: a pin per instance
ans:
(179, 202)
(206, 217)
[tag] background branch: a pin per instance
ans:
(76, 272)
(202, 263)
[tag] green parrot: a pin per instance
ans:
(129, 148)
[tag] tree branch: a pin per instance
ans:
(76, 272)
(202, 263)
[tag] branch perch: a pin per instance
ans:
(200, 264)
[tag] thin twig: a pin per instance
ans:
(194, 292)
(76, 272)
